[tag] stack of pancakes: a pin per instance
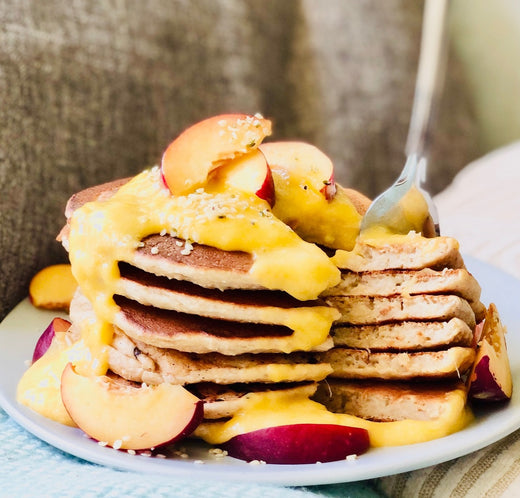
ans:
(402, 322)
(405, 337)
(191, 314)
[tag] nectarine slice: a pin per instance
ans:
(198, 150)
(248, 173)
(58, 325)
(490, 378)
(127, 417)
(299, 443)
(53, 287)
(305, 161)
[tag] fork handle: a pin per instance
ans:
(430, 75)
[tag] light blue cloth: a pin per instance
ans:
(29, 467)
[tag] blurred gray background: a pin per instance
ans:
(91, 91)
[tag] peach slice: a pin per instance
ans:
(198, 150)
(248, 173)
(127, 417)
(490, 378)
(304, 160)
(58, 326)
(299, 443)
(53, 287)
(308, 199)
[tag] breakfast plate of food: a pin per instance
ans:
(223, 315)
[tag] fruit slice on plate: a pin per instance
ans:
(53, 287)
(58, 327)
(248, 173)
(127, 417)
(490, 378)
(299, 444)
(304, 161)
(197, 151)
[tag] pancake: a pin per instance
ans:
(425, 281)
(406, 252)
(224, 401)
(385, 283)
(367, 310)
(364, 364)
(386, 401)
(125, 358)
(406, 335)
(206, 266)
(203, 265)
(385, 329)
(192, 333)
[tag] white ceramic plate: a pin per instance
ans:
(19, 331)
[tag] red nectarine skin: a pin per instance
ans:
(299, 444)
(198, 416)
(267, 191)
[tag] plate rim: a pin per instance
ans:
(392, 460)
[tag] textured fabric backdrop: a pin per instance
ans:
(91, 91)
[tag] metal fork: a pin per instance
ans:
(393, 209)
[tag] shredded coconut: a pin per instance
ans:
(188, 247)
(218, 452)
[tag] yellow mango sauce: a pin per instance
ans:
(271, 409)
(105, 232)
(331, 223)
